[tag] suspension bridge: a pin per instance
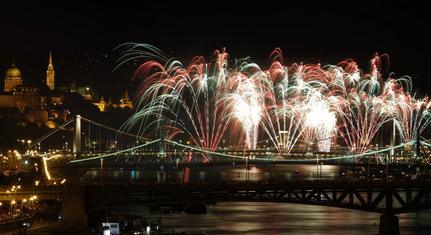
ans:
(83, 140)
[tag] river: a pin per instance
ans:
(260, 217)
(282, 218)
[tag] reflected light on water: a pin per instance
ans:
(215, 173)
(282, 218)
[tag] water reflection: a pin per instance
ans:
(279, 218)
(161, 177)
(213, 174)
(132, 175)
(259, 217)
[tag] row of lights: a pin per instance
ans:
(31, 199)
(14, 189)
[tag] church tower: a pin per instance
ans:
(50, 74)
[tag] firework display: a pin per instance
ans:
(297, 106)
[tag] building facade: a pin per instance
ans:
(35, 102)
(50, 74)
(13, 78)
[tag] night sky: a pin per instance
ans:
(82, 35)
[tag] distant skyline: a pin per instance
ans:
(82, 35)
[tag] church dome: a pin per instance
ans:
(13, 72)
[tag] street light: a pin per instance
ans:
(12, 203)
(22, 205)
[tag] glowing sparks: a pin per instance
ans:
(289, 106)
(247, 109)
(323, 123)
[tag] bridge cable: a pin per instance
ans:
(426, 143)
(113, 129)
(286, 160)
(240, 157)
(51, 132)
(116, 153)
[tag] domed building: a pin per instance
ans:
(44, 103)
(15, 94)
(40, 103)
(13, 78)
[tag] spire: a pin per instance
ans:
(13, 62)
(50, 59)
(50, 74)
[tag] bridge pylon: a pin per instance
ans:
(417, 145)
(162, 147)
(389, 225)
(77, 136)
(393, 139)
(162, 144)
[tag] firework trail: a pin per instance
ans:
(413, 116)
(321, 121)
(291, 106)
(183, 100)
(247, 108)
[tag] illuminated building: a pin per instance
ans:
(101, 105)
(14, 94)
(41, 104)
(13, 78)
(124, 102)
(50, 74)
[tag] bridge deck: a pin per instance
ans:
(381, 197)
(42, 193)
